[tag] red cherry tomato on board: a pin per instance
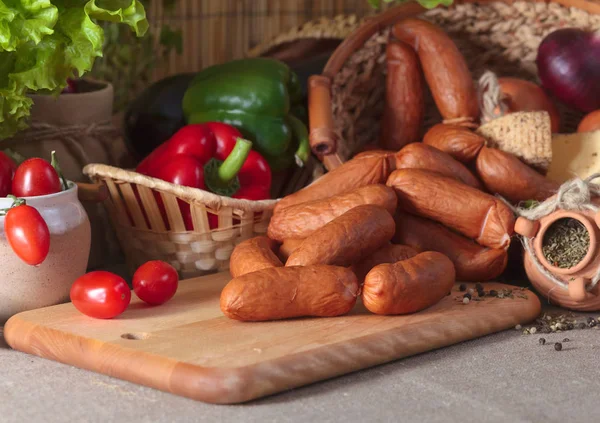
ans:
(27, 233)
(35, 177)
(100, 294)
(7, 170)
(155, 282)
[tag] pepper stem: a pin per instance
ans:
(234, 162)
(56, 166)
(220, 177)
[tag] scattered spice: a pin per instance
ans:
(467, 295)
(466, 300)
(581, 326)
(479, 286)
(462, 287)
(566, 340)
(558, 346)
(566, 243)
(493, 293)
(518, 327)
(542, 341)
(533, 330)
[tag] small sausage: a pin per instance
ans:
(288, 247)
(354, 235)
(368, 168)
(445, 68)
(404, 99)
(473, 263)
(473, 213)
(390, 253)
(301, 220)
(252, 255)
(421, 156)
(590, 122)
(286, 292)
(458, 141)
(408, 286)
(504, 174)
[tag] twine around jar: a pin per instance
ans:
(575, 194)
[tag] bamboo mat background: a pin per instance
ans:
(215, 31)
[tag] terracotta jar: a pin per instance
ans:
(24, 287)
(567, 287)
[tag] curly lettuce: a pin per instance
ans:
(45, 42)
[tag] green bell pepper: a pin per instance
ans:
(259, 97)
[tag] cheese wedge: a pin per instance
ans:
(574, 155)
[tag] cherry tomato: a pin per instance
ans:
(100, 294)
(7, 170)
(155, 282)
(27, 233)
(35, 177)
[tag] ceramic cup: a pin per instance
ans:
(24, 287)
(578, 277)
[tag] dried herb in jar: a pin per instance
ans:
(566, 243)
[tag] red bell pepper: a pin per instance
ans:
(211, 156)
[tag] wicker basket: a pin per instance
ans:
(144, 236)
(346, 101)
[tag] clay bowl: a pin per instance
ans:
(578, 296)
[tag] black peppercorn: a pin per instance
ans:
(558, 346)
(546, 330)
(542, 341)
(493, 293)
(581, 326)
(570, 326)
(566, 340)
(462, 287)
(592, 323)
(467, 295)
(590, 319)
(479, 286)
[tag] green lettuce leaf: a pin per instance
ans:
(42, 44)
(25, 21)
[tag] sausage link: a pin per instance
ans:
(445, 68)
(475, 214)
(354, 235)
(252, 255)
(421, 156)
(368, 168)
(408, 286)
(458, 141)
(503, 173)
(404, 100)
(286, 292)
(302, 220)
(473, 263)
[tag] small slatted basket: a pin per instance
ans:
(151, 222)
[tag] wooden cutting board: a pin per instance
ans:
(189, 348)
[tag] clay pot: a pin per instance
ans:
(26, 287)
(578, 277)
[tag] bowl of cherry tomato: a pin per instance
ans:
(45, 235)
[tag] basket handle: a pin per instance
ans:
(92, 193)
(322, 136)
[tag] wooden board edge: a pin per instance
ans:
(243, 384)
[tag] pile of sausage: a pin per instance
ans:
(396, 228)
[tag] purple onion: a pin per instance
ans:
(568, 64)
